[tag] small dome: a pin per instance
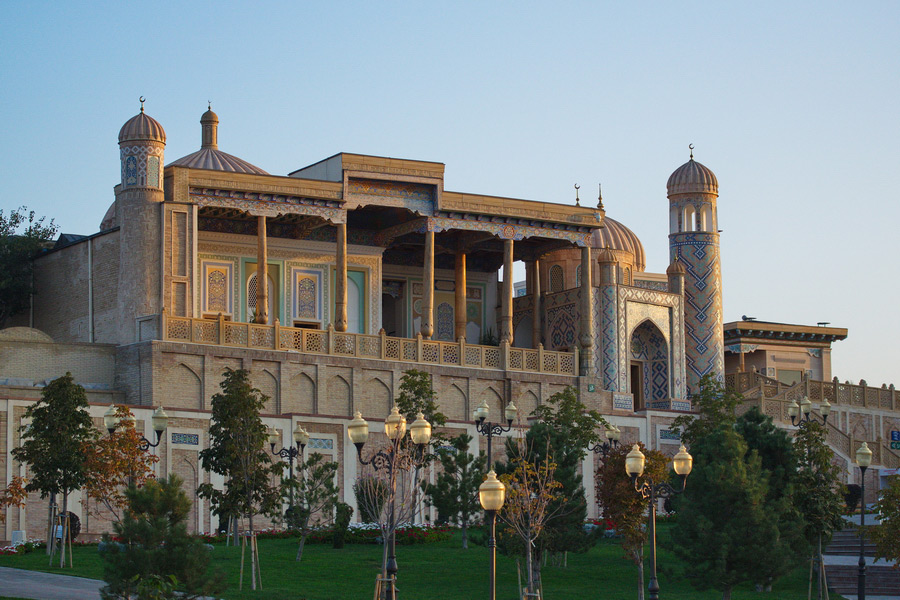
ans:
(142, 127)
(216, 160)
(676, 268)
(692, 177)
(607, 255)
(618, 237)
(209, 117)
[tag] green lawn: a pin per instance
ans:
(440, 571)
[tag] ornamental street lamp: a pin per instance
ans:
(863, 459)
(491, 430)
(634, 466)
(805, 407)
(301, 438)
(390, 461)
(159, 421)
(492, 495)
(613, 434)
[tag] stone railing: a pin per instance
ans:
(416, 350)
(756, 385)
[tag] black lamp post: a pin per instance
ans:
(492, 495)
(613, 434)
(863, 459)
(159, 421)
(634, 466)
(491, 430)
(390, 461)
(301, 438)
(805, 407)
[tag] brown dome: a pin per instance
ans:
(676, 268)
(692, 177)
(618, 237)
(142, 127)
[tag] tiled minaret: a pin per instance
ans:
(694, 241)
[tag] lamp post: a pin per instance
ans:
(863, 459)
(301, 438)
(159, 421)
(492, 495)
(491, 430)
(634, 466)
(805, 407)
(389, 461)
(613, 434)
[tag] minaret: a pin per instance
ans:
(694, 243)
(138, 199)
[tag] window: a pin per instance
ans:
(556, 279)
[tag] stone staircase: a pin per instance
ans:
(842, 578)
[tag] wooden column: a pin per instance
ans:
(427, 328)
(262, 272)
(460, 309)
(506, 312)
(536, 333)
(340, 279)
(587, 313)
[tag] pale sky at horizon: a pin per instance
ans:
(794, 106)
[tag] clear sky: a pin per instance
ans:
(794, 106)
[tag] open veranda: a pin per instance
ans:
(435, 571)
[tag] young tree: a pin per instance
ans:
(112, 463)
(154, 543)
(818, 492)
(21, 237)
(626, 508)
(455, 490)
(54, 442)
(532, 498)
(14, 495)
(237, 450)
(886, 535)
(316, 494)
(715, 407)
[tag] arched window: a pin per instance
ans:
(689, 218)
(556, 279)
(706, 218)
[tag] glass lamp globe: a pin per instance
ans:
(160, 420)
(301, 437)
(395, 425)
(825, 408)
(805, 405)
(358, 429)
(110, 419)
(634, 462)
(274, 436)
(492, 492)
(793, 409)
(511, 412)
(864, 456)
(481, 412)
(684, 462)
(420, 430)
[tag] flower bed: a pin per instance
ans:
(357, 533)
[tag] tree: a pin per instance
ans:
(316, 495)
(715, 407)
(623, 506)
(532, 498)
(417, 396)
(725, 532)
(54, 442)
(153, 544)
(237, 450)
(113, 462)
(14, 495)
(887, 534)
(818, 492)
(455, 490)
(21, 237)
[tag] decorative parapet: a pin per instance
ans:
(329, 342)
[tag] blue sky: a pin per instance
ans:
(793, 105)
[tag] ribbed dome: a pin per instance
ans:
(692, 177)
(676, 268)
(216, 160)
(618, 237)
(142, 127)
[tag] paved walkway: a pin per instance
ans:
(19, 583)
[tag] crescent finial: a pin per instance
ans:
(142, 103)
(691, 147)
(577, 200)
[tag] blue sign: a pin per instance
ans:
(895, 445)
(895, 436)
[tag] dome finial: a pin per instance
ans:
(691, 148)
(600, 196)
(209, 105)
(142, 103)
(577, 199)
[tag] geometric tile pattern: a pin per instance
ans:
(649, 346)
(698, 252)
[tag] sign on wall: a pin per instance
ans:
(623, 402)
(895, 440)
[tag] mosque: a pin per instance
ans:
(330, 282)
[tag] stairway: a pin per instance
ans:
(842, 578)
